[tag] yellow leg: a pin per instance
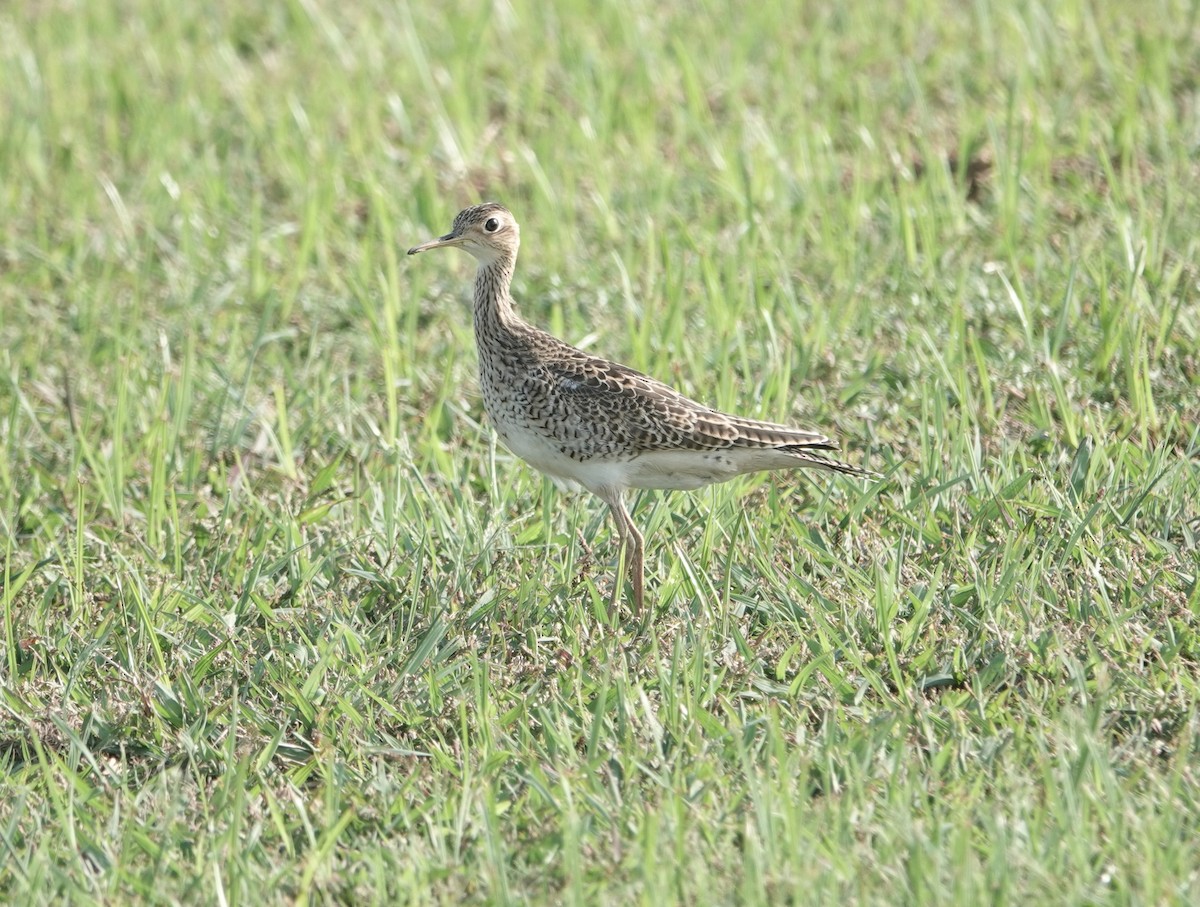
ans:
(632, 543)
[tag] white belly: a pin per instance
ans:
(672, 470)
(544, 456)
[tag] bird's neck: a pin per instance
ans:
(493, 303)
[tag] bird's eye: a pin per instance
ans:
(492, 225)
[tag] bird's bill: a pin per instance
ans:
(450, 239)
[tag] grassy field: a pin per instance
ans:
(281, 621)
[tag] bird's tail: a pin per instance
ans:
(807, 457)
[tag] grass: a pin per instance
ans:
(282, 623)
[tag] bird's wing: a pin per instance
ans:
(623, 409)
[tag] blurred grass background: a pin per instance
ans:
(281, 622)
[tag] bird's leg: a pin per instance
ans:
(632, 545)
(622, 547)
(635, 552)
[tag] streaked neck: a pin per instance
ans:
(493, 302)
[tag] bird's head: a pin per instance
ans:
(487, 231)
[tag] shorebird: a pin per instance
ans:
(587, 422)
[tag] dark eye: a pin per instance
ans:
(492, 225)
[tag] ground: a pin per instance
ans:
(283, 623)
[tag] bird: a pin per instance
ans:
(591, 423)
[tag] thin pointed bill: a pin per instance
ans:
(450, 239)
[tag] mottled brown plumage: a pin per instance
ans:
(591, 423)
